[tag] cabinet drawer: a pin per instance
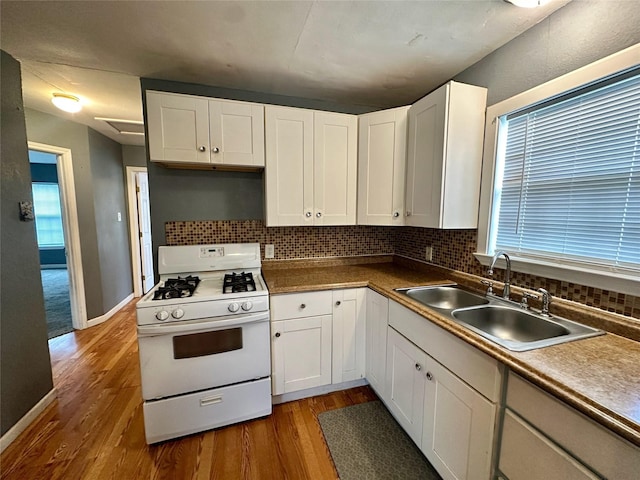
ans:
(467, 362)
(296, 305)
(527, 455)
(604, 452)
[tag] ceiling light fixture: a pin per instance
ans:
(66, 102)
(527, 3)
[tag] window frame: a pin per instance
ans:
(50, 246)
(565, 270)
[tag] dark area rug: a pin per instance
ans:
(57, 304)
(367, 443)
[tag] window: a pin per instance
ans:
(568, 177)
(561, 180)
(46, 205)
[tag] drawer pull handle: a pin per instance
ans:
(204, 402)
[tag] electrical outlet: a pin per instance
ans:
(428, 254)
(269, 251)
(119, 217)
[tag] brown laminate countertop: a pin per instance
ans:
(598, 376)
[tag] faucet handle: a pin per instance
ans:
(524, 304)
(489, 285)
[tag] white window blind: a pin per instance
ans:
(48, 213)
(568, 177)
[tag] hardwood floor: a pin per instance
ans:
(95, 430)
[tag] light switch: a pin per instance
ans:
(119, 217)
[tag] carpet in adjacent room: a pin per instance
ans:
(366, 442)
(57, 303)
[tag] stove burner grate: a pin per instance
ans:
(177, 288)
(238, 282)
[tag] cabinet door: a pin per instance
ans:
(425, 159)
(301, 353)
(377, 312)
(335, 168)
(178, 128)
(381, 167)
(237, 133)
(289, 166)
(405, 383)
(458, 426)
(348, 335)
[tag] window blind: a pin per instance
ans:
(48, 213)
(568, 180)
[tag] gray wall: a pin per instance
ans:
(25, 368)
(91, 178)
(579, 33)
(134, 156)
(113, 237)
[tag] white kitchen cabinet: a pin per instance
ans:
(376, 341)
(311, 167)
(458, 426)
(301, 340)
(405, 383)
(348, 352)
(192, 130)
(382, 156)
(444, 157)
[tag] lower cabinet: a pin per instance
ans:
(301, 353)
(348, 351)
(377, 320)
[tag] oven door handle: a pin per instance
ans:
(204, 325)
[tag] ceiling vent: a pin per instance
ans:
(125, 127)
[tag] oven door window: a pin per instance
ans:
(207, 343)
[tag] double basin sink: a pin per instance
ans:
(498, 320)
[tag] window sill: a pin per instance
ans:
(611, 281)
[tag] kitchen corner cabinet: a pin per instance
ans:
(382, 156)
(201, 131)
(348, 351)
(444, 158)
(311, 167)
(377, 311)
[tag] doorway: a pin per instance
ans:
(58, 238)
(140, 230)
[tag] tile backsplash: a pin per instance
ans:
(451, 249)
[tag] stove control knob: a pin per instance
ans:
(246, 306)
(234, 307)
(177, 313)
(162, 315)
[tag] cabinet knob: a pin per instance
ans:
(418, 367)
(277, 334)
(318, 214)
(308, 214)
(215, 149)
(408, 213)
(338, 303)
(303, 306)
(429, 376)
(203, 149)
(396, 214)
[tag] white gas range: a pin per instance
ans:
(204, 342)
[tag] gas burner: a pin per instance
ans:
(177, 288)
(238, 282)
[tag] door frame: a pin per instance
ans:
(134, 228)
(71, 231)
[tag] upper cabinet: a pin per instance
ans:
(382, 140)
(191, 130)
(310, 167)
(444, 157)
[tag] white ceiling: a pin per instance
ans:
(375, 53)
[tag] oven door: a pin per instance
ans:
(184, 357)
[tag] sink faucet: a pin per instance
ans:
(546, 300)
(507, 276)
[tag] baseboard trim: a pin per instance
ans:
(103, 318)
(312, 392)
(22, 424)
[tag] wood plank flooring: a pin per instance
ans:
(94, 429)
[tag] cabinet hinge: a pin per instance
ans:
(137, 189)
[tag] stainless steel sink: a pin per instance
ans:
(447, 297)
(521, 330)
(499, 320)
